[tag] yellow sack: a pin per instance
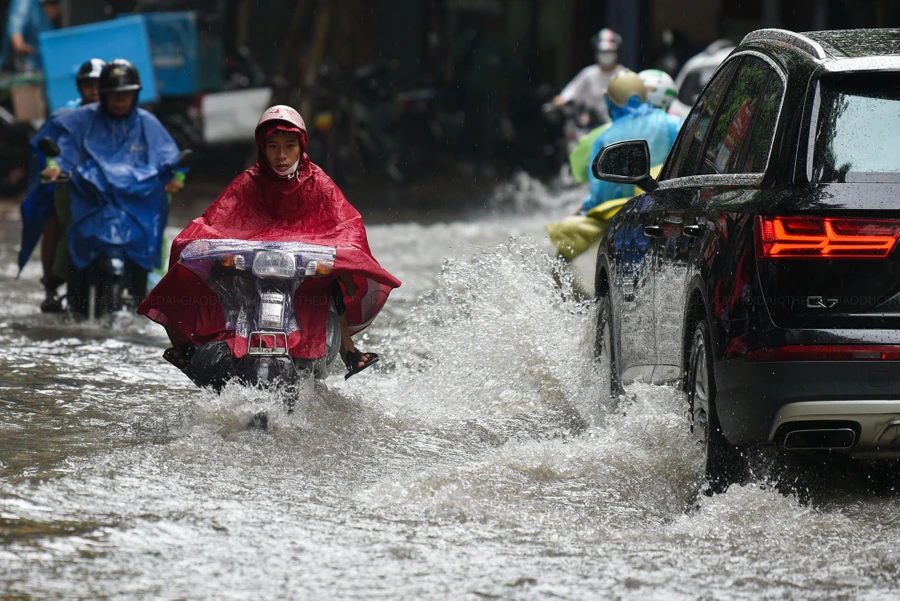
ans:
(574, 235)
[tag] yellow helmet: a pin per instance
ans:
(623, 86)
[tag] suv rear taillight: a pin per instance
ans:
(825, 352)
(810, 237)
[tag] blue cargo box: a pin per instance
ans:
(187, 60)
(64, 50)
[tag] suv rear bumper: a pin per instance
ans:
(875, 424)
(759, 402)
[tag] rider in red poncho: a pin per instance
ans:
(283, 197)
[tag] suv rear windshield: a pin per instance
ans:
(856, 136)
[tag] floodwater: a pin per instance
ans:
(480, 460)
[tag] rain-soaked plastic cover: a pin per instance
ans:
(255, 283)
(225, 296)
(311, 258)
(259, 205)
(233, 269)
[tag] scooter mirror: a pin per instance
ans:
(48, 147)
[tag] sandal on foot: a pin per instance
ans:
(180, 358)
(51, 305)
(353, 358)
(175, 358)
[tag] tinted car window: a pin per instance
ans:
(686, 154)
(732, 128)
(856, 137)
(760, 143)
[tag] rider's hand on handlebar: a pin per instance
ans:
(174, 186)
(51, 173)
(554, 105)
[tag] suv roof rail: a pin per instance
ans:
(793, 38)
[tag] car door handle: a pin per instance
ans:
(653, 231)
(693, 230)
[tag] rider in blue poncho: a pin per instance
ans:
(122, 165)
(633, 119)
(38, 218)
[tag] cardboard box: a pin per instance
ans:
(28, 101)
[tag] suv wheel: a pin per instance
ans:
(604, 348)
(723, 463)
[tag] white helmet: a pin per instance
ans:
(661, 89)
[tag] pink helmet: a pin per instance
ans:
(280, 117)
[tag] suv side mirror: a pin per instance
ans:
(49, 147)
(626, 162)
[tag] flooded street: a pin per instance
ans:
(479, 460)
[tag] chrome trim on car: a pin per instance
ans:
(813, 129)
(793, 38)
(863, 64)
(701, 181)
(819, 439)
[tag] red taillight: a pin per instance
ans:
(196, 109)
(825, 352)
(825, 238)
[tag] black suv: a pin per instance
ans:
(762, 270)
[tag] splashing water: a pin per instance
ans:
(497, 337)
(481, 458)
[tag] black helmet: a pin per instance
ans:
(90, 70)
(119, 76)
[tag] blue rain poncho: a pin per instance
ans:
(38, 203)
(635, 121)
(28, 18)
(117, 189)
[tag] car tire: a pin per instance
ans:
(723, 463)
(604, 345)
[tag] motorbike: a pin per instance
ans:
(255, 283)
(424, 130)
(351, 131)
(397, 133)
(111, 280)
(574, 121)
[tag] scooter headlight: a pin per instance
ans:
(274, 264)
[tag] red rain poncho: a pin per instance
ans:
(260, 205)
